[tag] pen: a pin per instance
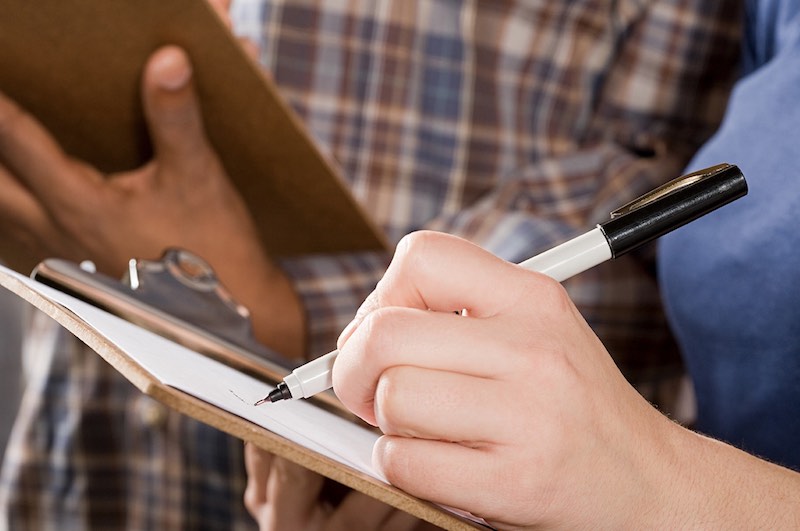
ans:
(652, 215)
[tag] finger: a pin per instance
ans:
(438, 471)
(27, 234)
(18, 207)
(437, 271)
(31, 153)
(441, 272)
(172, 111)
(257, 463)
(293, 494)
(392, 337)
(222, 8)
(359, 511)
(421, 403)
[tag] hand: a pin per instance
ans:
(281, 495)
(52, 205)
(59, 206)
(513, 410)
(172, 112)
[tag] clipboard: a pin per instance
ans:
(180, 298)
(76, 66)
(81, 319)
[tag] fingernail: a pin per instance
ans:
(171, 69)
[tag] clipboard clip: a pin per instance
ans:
(672, 205)
(179, 297)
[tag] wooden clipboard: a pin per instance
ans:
(35, 293)
(76, 66)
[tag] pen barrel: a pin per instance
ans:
(314, 377)
(571, 257)
(673, 210)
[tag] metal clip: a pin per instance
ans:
(669, 188)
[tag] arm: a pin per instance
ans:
(519, 396)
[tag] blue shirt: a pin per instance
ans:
(731, 281)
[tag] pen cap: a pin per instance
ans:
(673, 205)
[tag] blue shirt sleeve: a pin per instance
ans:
(730, 280)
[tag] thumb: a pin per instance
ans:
(172, 109)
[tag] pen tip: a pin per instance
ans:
(279, 393)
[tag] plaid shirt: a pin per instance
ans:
(515, 124)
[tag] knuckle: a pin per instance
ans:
(379, 327)
(251, 501)
(284, 471)
(548, 293)
(414, 247)
(546, 302)
(405, 245)
(392, 460)
(370, 304)
(388, 397)
(385, 332)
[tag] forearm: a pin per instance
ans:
(260, 285)
(715, 485)
(278, 317)
(299, 306)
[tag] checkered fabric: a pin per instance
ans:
(513, 123)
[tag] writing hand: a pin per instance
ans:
(513, 410)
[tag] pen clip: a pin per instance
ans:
(672, 205)
(669, 188)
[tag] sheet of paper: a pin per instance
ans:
(217, 384)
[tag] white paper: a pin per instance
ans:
(217, 384)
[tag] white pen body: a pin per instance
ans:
(560, 263)
(678, 202)
(572, 257)
(312, 378)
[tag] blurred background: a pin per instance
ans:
(11, 311)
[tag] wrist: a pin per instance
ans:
(275, 310)
(676, 480)
(658, 482)
(710, 484)
(279, 321)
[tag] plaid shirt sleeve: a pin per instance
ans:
(513, 124)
